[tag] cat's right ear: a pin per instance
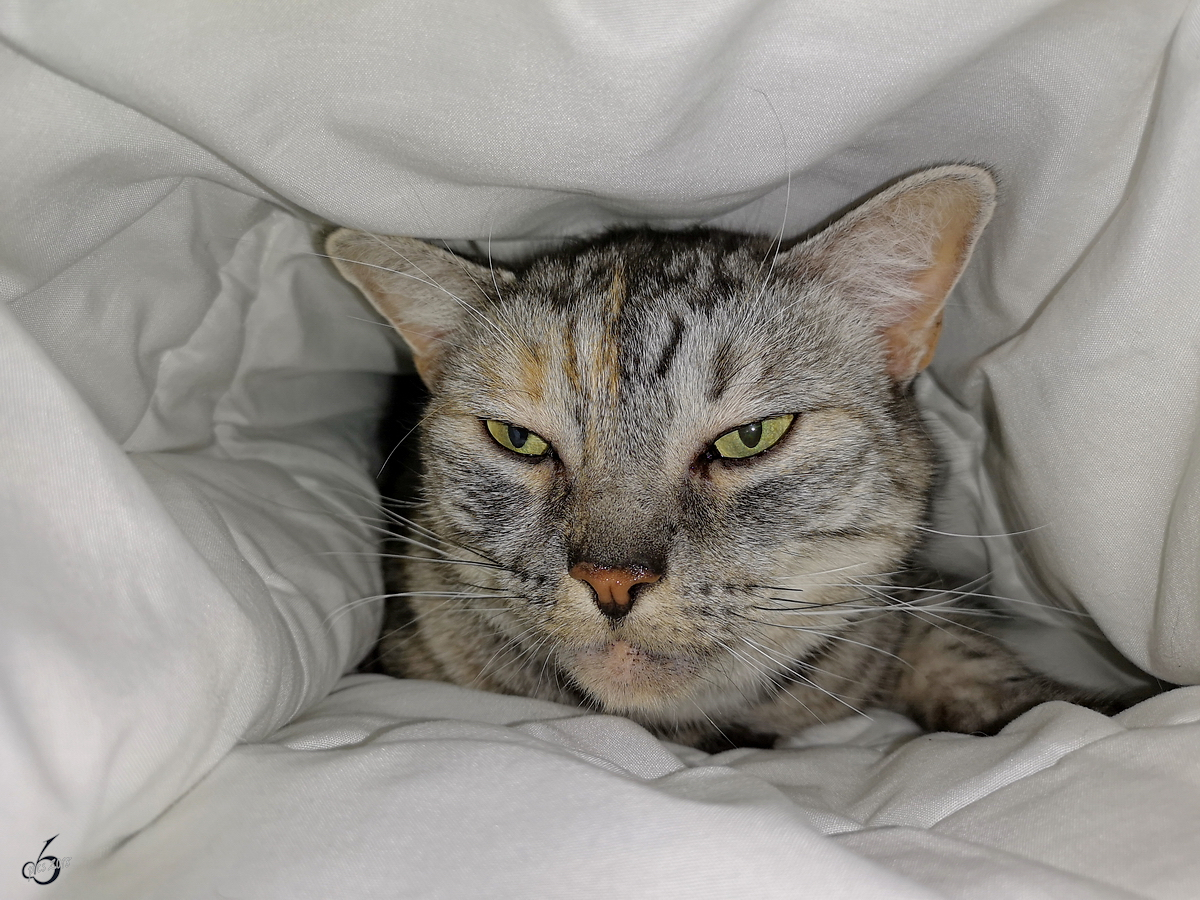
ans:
(898, 255)
(424, 291)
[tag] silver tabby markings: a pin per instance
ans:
(679, 476)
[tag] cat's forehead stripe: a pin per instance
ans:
(670, 348)
(633, 322)
(617, 292)
(722, 372)
(531, 371)
(571, 359)
(606, 372)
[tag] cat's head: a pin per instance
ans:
(675, 446)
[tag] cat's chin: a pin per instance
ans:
(626, 678)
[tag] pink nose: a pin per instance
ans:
(613, 587)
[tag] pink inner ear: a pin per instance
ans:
(392, 298)
(910, 343)
(425, 346)
(910, 346)
(897, 256)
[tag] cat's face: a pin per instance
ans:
(630, 359)
(676, 454)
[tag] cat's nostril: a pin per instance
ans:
(614, 589)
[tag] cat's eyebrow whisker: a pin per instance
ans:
(491, 264)
(777, 244)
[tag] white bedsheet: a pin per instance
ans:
(187, 399)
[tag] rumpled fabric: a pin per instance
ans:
(189, 396)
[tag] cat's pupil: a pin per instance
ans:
(751, 434)
(517, 436)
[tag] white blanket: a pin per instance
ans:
(188, 398)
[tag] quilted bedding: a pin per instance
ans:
(189, 397)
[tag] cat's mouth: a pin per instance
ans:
(624, 677)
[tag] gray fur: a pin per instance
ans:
(779, 603)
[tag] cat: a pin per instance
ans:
(680, 476)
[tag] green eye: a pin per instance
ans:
(752, 438)
(517, 439)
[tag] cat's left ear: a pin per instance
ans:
(899, 254)
(424, 291)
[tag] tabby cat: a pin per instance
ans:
(680, 476)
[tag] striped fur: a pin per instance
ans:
(631, 353)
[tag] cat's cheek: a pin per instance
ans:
(493, 506)
(822, 476)
(784, 508)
